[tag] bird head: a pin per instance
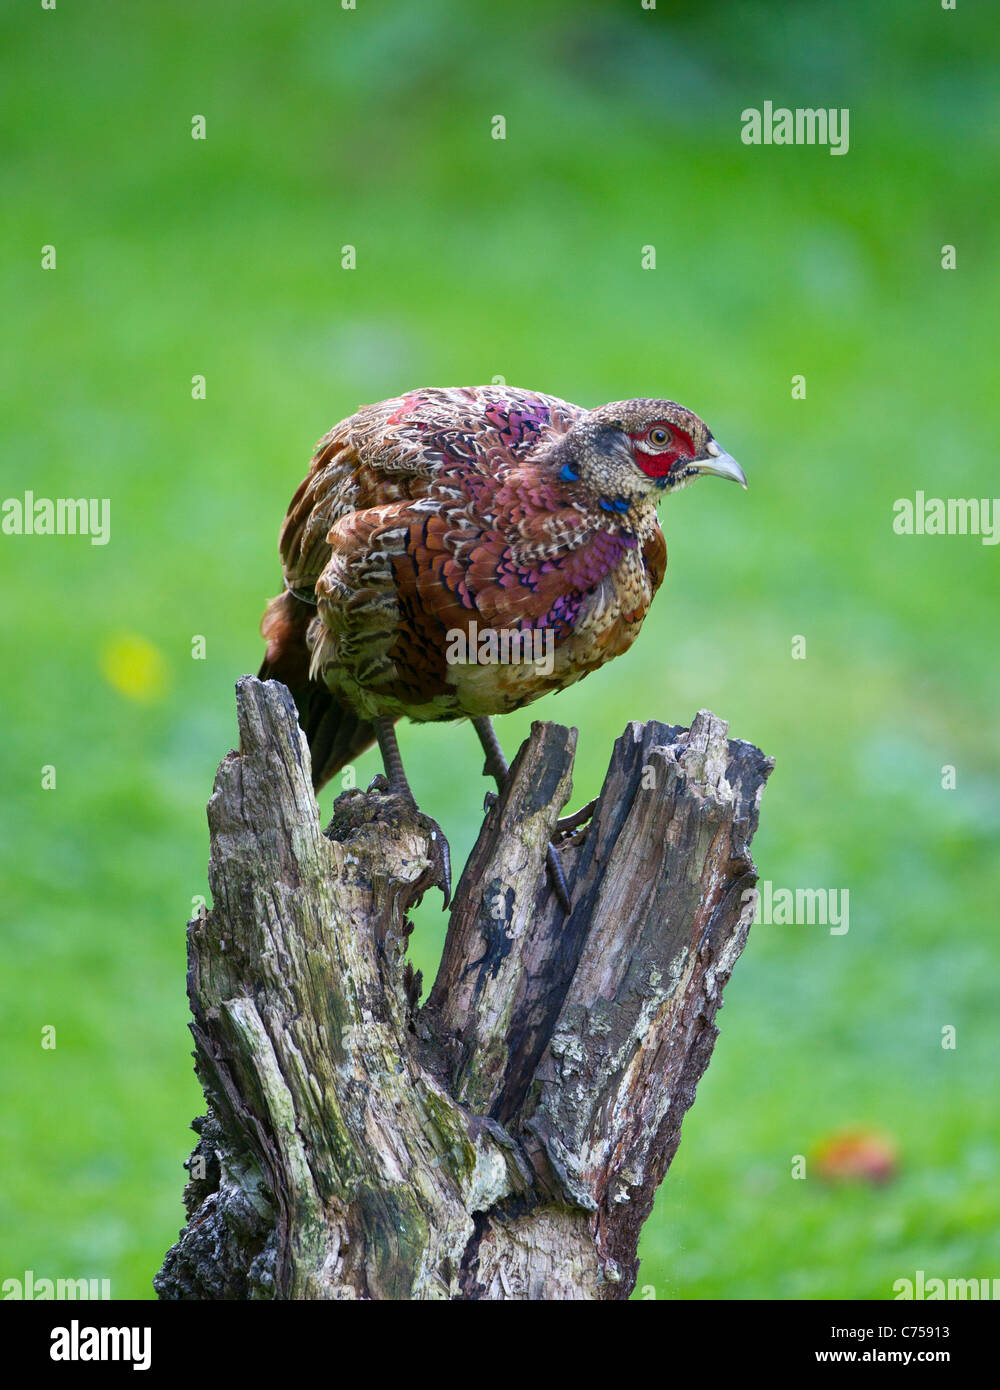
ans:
(629, 450)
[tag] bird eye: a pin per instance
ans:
(659, 436)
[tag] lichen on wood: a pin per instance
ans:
(505, 1139)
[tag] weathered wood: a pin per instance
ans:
(505, 1140)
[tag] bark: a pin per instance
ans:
(506, 1139)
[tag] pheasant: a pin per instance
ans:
(458, 553)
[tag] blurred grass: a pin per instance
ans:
(478, 257)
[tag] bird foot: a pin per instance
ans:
(554, 869)
(440, 857)
(438, 875)
(566, 828)
(553, 866)
(570, 830)
(396, 808)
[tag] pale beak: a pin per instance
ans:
(720, 464)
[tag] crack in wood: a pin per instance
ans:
(506, 1139)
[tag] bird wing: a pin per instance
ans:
(395, 450)
(404, 577)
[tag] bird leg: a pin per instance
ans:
(497, 767)
(391, 760)
(397, 785)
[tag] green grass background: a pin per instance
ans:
(478, 257)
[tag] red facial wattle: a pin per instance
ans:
(659, 463)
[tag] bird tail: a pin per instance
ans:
(335, 734)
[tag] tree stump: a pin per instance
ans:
(506, 1139)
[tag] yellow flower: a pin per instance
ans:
(134, 667)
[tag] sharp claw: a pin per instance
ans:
(440, 857)
(558, 879)
(442, 860)
(440, 853)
